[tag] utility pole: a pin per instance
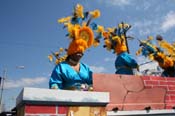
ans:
(2, 87)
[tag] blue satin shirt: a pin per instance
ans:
(64, 76)
(125, 64)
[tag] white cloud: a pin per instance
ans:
(169, 21)
(117, 2)
(143, 27)
(147, 5)
(24, 82)
(120, 2)
(146, 27)
(98, 69)
(109, 59)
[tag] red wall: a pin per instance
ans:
(128, 92)
(40, 110)
(54, 110)
(167, 83)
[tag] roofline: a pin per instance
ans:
(140, 112)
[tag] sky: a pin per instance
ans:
(29, 32)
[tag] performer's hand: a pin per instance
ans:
(54, 87)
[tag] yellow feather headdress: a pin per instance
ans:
(156, 53)
(79, 30)
(114, 38)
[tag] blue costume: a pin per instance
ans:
(65, 77)
(65, 74)
(115, 39)
(124, 64)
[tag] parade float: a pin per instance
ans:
(113, 94)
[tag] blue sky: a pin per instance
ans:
(29, 32)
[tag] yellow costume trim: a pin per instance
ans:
(115, 38)
(96, 43)
(86, 34)
(77, 45)
(121, 45)
(79, 31)
(83, 40)
(108, 44)
(73, 30)
(167, 61)
(79, 11)
(58, 56)
(50, 57)
(123, 25)
(170, 50)
(100, 29)
(64, 20)
(110, 29)
(95, 14)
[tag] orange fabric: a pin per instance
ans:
(78, 45)
(121, 45)
(167, 62)
(83, 40)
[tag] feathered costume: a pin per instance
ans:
(115, 39)
(82, 38)
(79, 31)
(164, 54)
